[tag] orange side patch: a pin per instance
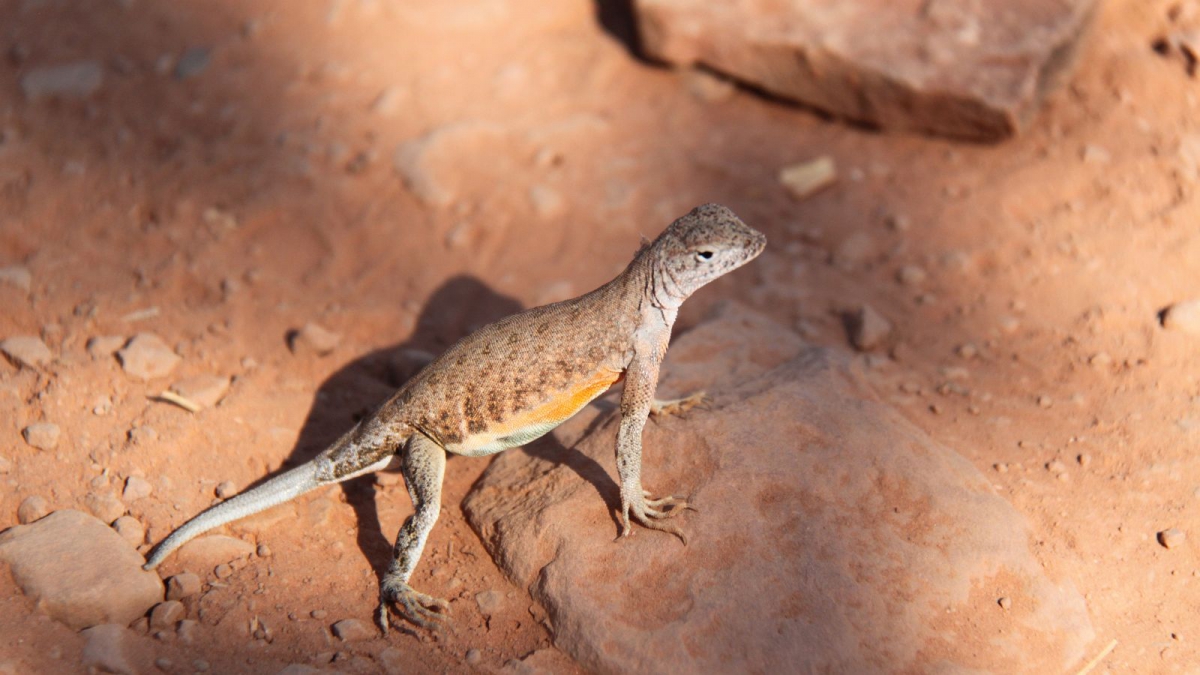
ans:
(563, 404)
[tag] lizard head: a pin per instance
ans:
(708, 242)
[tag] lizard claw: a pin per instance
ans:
(648, 512)
(423, 610)
(677, 406)
(674, 505)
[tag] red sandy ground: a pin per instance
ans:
(1037, 258)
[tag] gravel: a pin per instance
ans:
(806, 179)
(147, 357)
(43, 435)
(1183, 317)
(79, 79)
(868, 329)
(1171, 538)
(183, 585)
(16, 276)
(27, 351)
(352, 630)
(32, 508)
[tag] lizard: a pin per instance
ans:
(511, 382)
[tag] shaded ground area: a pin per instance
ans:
(242, 170)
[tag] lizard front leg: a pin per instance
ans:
(424, 466)
(641, 378)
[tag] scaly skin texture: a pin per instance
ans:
(513, 381)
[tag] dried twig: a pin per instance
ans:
(185, 403)
(1096, 661)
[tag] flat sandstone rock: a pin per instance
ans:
(964, 69)
(832, 535)
(79, 571)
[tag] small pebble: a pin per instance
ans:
(43, 435)
(1056, 467)
(74, 80)
(104, 346)
(104, 506)
(314, 337)
(1094, 154)
(911, 275)
(318, 614)
(1005, 603)
(187, 630)
(805, 179)
(263, 551)
(474, 656)
(1009, 324)
(1044, 401)
(193, 62)
(489, 602)
(1171, 538)
(166, 614)
(351, 630)
(547, 202)
(147, 357)
(898, 222)
(16, 276)
(226, 489)
(868, 329)
(1100, 360)
(32, 508)
(1183, 317)
(223, 571)
(183, 585)
(131, 530)
(204, 390)
(1084, 459)
(143, 435)
(1000, 467)
(26, 351)
(967, 351)
(136, 488)
(102, 406)
(163, 663)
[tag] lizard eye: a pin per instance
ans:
(704, 255)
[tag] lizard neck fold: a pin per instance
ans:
(665, 291)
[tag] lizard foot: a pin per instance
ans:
(677, 406)
(649, 513)
(423, 610)
(666, 507)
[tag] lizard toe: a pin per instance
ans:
(425, 611)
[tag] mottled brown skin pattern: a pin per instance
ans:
(513, 381)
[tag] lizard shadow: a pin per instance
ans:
(550, 449)
(458, 307)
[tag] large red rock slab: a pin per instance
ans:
(964, 68)
(831, 536)
(79, 570)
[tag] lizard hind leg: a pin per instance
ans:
(424, 466)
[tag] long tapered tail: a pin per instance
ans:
(278, 490)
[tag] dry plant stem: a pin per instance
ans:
(185, 403)
(1099, 657)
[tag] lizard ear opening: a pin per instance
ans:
(704, 255)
